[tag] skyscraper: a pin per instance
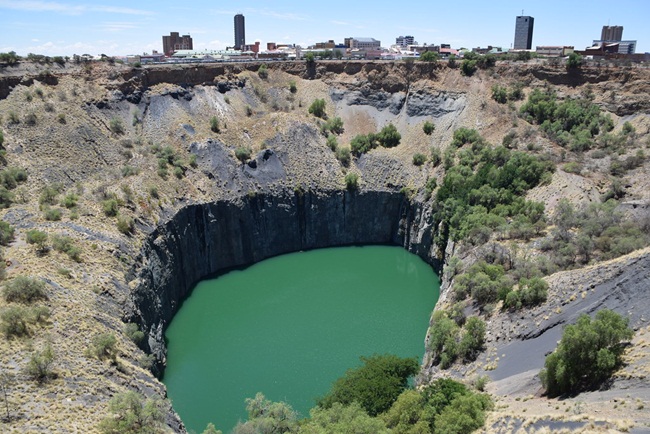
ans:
(524, 33)
(240, 32)
(612, 33)
(175, 42)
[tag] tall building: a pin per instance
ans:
(175, 42)
(405, 41)
(524, 33)
(240, 32)
(612, 33)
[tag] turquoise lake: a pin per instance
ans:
(291, 325)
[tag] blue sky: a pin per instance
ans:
(66, 27)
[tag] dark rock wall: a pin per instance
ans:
(204, 239)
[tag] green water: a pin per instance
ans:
(291, 325)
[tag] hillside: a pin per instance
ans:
(139, 161)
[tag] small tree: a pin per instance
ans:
(419, 159)
(588, 353)
(130, 414)
(6, 233)
(574, 61)
(40, 364)
(116, 126)
(317, 108)
(428, 128)
(352, 181)
(263, 71)
(38, 238)
(309, 58)
(110, 207)
(23, 289)
(14, 321)
(389, 137)
(214, 124)
(429, 56)
(243, 154)
(104, 346)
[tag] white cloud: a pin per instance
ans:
(68, 9)
(115, 26)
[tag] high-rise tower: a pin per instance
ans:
(612, 33)
(240, 32)
(524, 33)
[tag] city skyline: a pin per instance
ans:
(118, 27)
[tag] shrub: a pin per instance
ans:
(429, 56)
(62, 243)
(263, 71)
(129, 413)
(125, 225)
(110, 207)
(116, 126)
(468, 67)
(361, 144)
(104, 346)
(435, 156)
(389, 137)
(60, 118)
(242, 154)
(352, 181)
(375, 385)
(39, 238)
(332, 143)
(588, 353)
(70, 200)
(499, 94)
(428, 128)
(129, 171)
(265, 416)
(25, 290)
(628, 128)
(317, 108)
(52, 214)
(343, 155)
(6, 233)
(2, 138)
(465, 414)
(473, 339)
(14, 321)
(48, 195)
(574, 61)
(30, 119)
(292, 87)
(13, 118)
(249, 111)
(40, 364)
(133, 333)
(419, 159)
(214, 124)
(533, 291)
(334, 125)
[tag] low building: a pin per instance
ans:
(360, 43)
(554, 50)
(622, 47)
(175, 42)
(329, 45)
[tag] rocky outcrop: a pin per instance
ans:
(205, 239)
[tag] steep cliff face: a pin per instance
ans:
(204, 239)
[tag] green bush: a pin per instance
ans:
(292, 87)
(125, 225)
(39, 238)
(6, 233)
(428, 128)
(389, 137)
(429, 56)
(468, 67)
(214, 125)
(133, 333)
(332, 143)
(130, 414)
(266, 417)
(435, 156)
(243, 154)
(14, 321)
(263, 71)
(588, 353)
(40, 364)
(343, 155)
(24, 290)
(463, 415)
(375, 385)
(62, 243)
(352, 181)
(110, 207)
(499, 94)
(52, 214)
(129, 171)
(419, 159)
(473, 339)
(70, 200)
(104, 346)
(49, 194)
(574, 61)
(116, 126)
(334, 125)
(317, 108)
(361, 143)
